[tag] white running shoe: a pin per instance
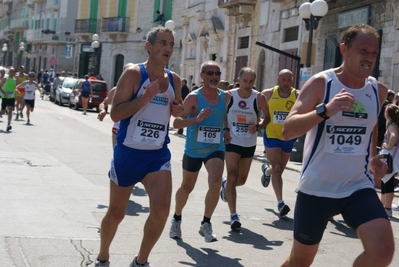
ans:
(175, 230)
(102, 264)
(265, 179)
(207, 232)
(134, 263)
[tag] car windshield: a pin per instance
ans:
(69, 83)
(98, 87)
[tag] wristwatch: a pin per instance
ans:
(321, 111)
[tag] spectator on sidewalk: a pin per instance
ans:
(184, 93)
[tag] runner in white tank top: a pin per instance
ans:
(29, 97)
(338, 111)
(244, 124)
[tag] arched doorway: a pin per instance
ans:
(332, 56)
(119, 63)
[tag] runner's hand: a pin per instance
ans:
(204, 113)
(176, 108)
(151, 90)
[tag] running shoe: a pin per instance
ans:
(395, 207)
(101, 264)
(283, 209)
(207, 232)
(175, 230)
(389, 212)
(235, 223)
(135, 264)
(9, 128)
(223, 190)
(265, 179)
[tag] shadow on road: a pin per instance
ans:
(343, 229)
(206, 257)
(246, 236)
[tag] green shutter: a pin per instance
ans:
(168, 10)
(156, 7)
(122, 8)
(93, 16)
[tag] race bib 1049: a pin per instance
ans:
(345, 139)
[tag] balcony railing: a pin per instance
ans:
(53, 4)
(19, 23)
(34, 34)
(231, 3)
(115, 24)
(86, 26)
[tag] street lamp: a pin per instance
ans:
(21, 50)
(4, 49)
(312, 12)
(95, 45)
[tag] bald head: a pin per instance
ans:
(285, 71)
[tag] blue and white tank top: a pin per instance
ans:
(240, 113)
(337, 150)
(206, 137)
(148, 128)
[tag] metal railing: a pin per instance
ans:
(86, 25)
(115, 24)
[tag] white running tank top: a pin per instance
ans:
(337, 150)
(30, 89)
(148, 128)
(240, 113)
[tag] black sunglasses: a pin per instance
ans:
(211, 73)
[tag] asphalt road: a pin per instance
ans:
(54, 193)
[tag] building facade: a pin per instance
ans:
(38, 33)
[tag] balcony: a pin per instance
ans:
(59, 37)
(85, 28)
(19, 24)
(53, 4)
(37, 1)
(34, 35)
(115, 26)
(30, 3)
(235, 3)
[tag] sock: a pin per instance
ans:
(206, 220)
(280, 203)
(233, 214)
(102, 261)
(388, 208)
(177, 218)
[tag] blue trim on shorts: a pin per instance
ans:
(285, 145)
(129, 166)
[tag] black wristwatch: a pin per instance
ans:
(321, 111)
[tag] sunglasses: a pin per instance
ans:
(211, 73)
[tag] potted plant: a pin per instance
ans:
(67, 33)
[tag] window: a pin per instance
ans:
(291, 34)
(243, 42)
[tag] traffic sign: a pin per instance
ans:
(52, 61)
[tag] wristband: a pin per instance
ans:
(226, 129)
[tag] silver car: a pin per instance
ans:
(63, 92)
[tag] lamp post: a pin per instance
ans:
(21, 51)
(312, 12)
(95, 45)
(170, 24)
(4, 49)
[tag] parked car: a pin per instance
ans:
(100, 92)
(63, 92)
(52, 92)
